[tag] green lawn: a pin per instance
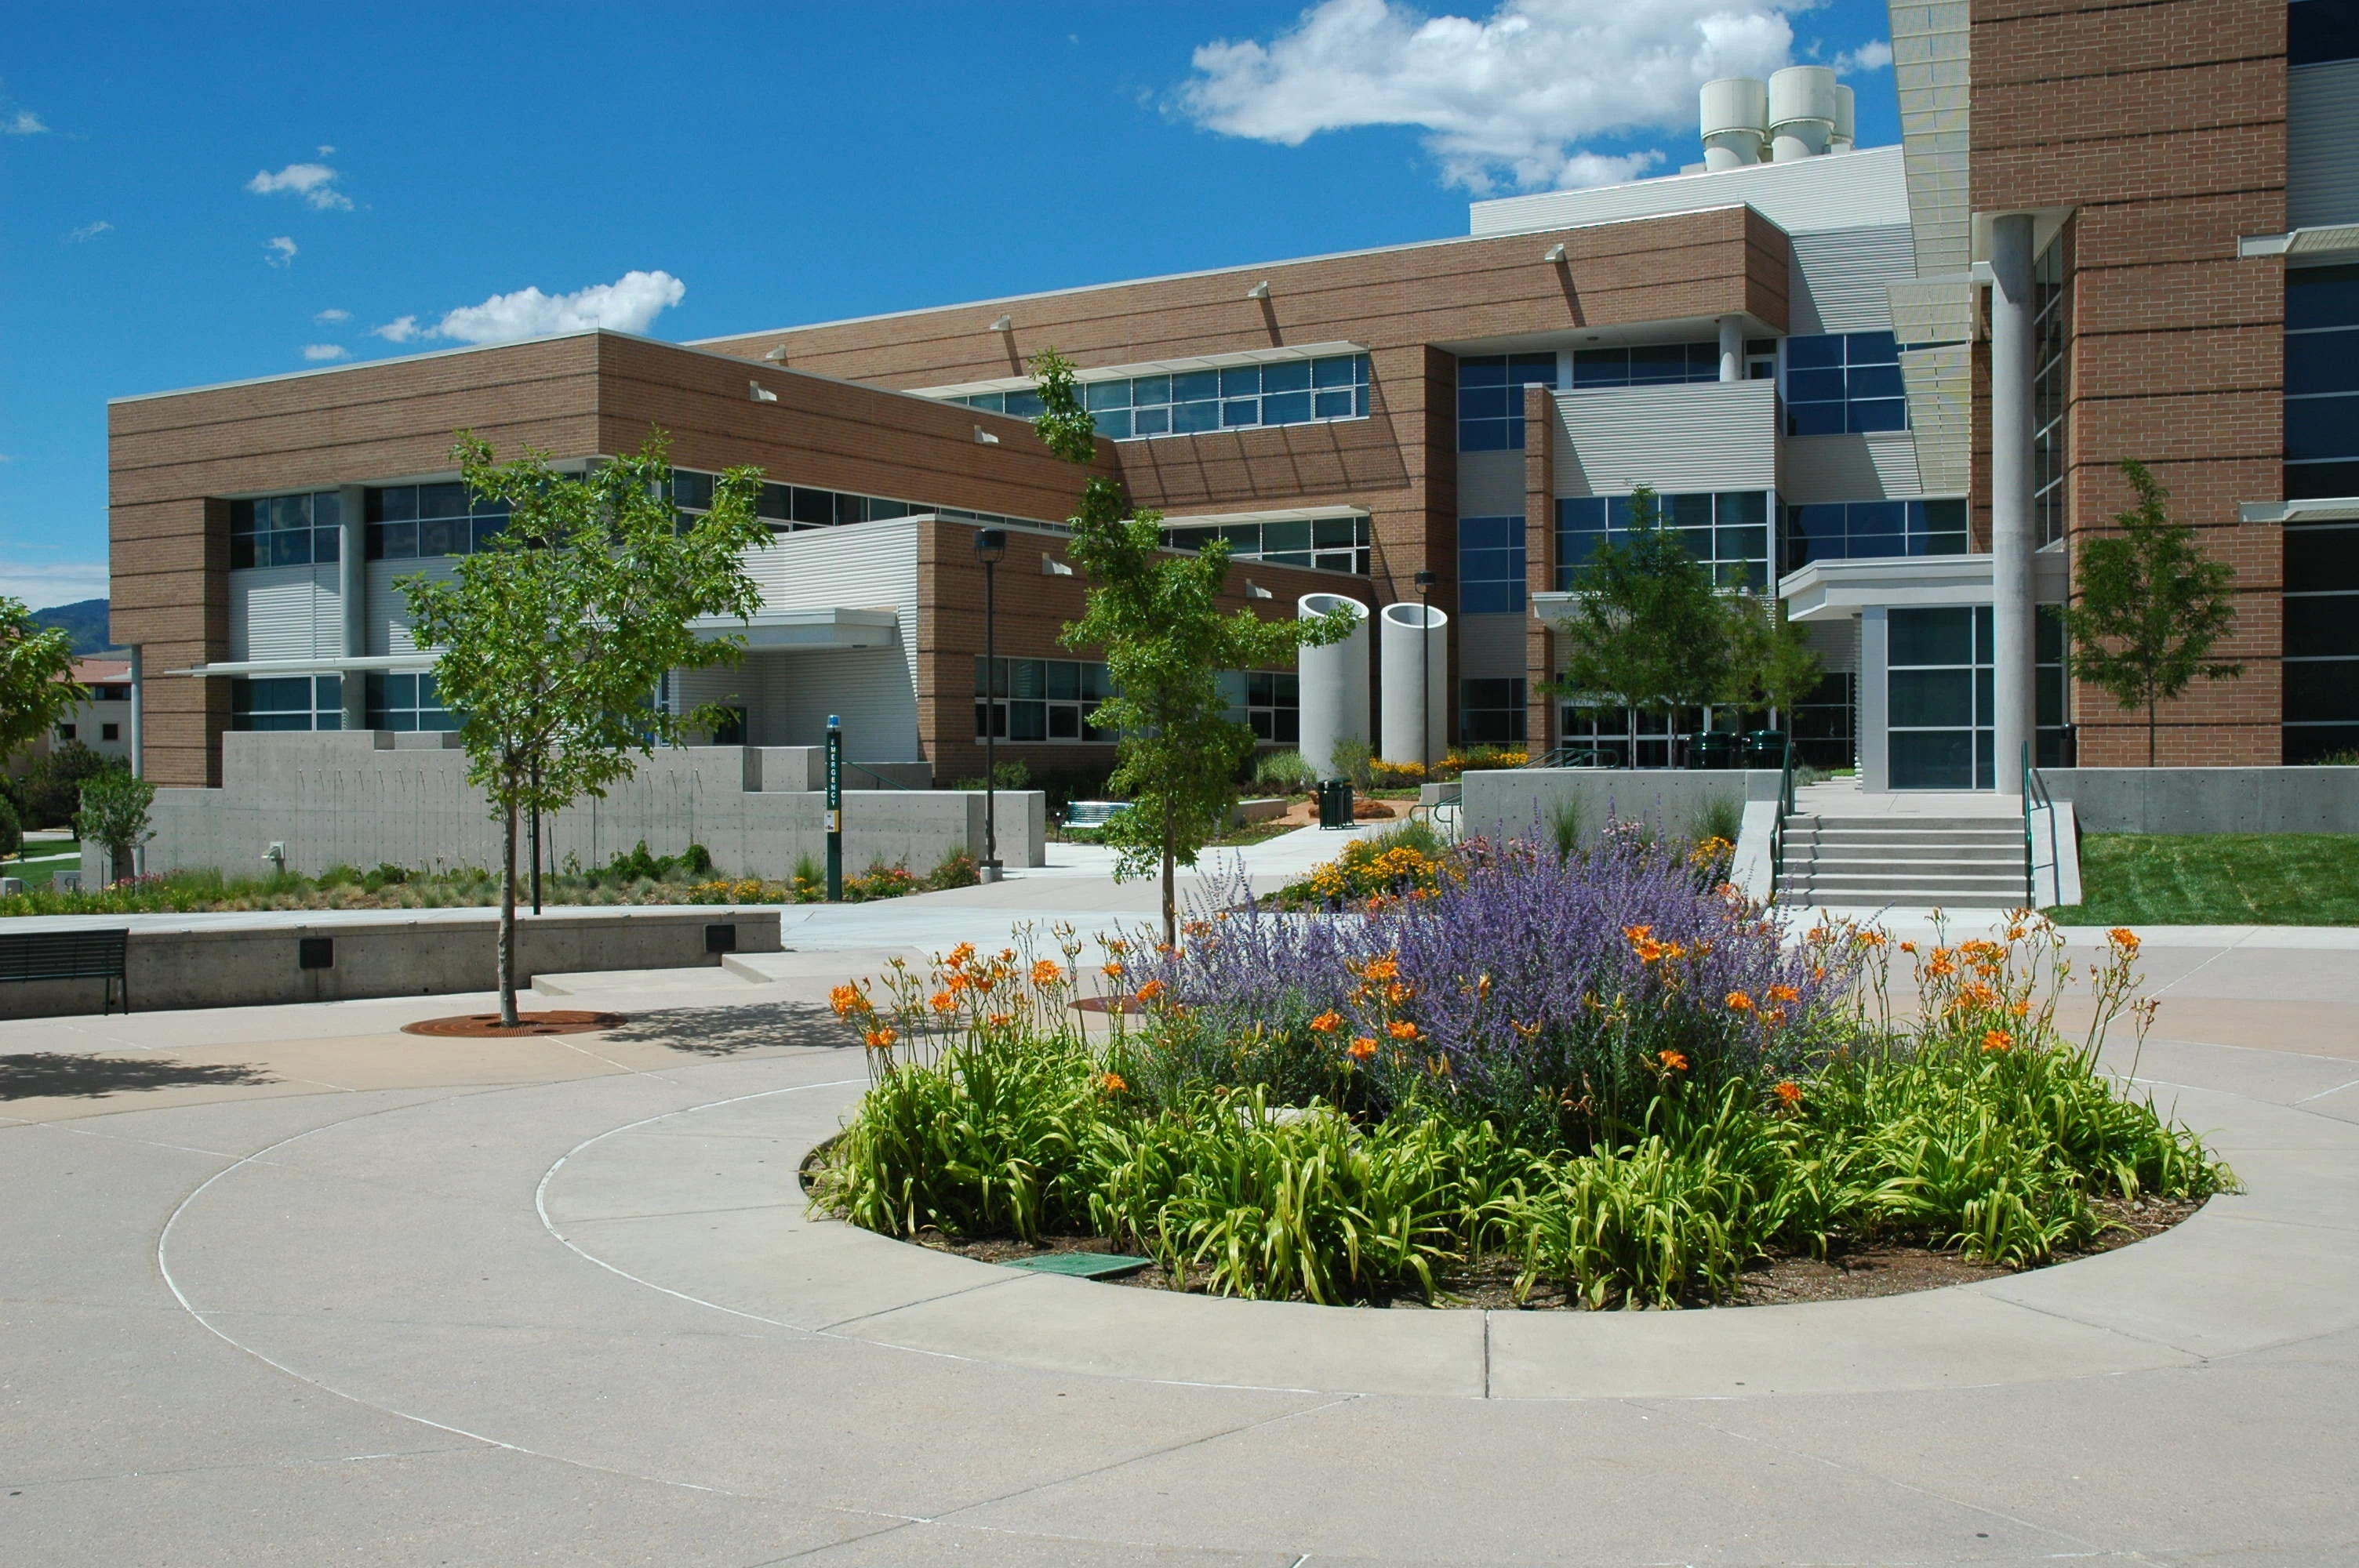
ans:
(2227, 879)
(43, 860)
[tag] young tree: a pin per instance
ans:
(550, 644)
(37, 687)
(1156, 614)
(1769, 660)
(2153, 606)
(1650, 629)
(115, 815)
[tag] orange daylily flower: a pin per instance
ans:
(1327, 1023)
(1996, 1040)
(1401, 1029)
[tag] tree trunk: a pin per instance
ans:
(2149, 731)
(1170, 900)
(508, 916)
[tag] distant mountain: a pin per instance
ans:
(85, 620)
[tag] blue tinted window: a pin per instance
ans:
(1862, 529)
(2318, 31)
(1843, 383)
(1489, 565)
(1497, 425)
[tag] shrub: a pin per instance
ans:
(955, 869)
(1352, 758)
(1287, 772)
(51, 790)
(1396, 775)
(1409, 858)
(1476, 759)
(11, 830)
(1721, 818)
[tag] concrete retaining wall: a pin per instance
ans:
(1522, 802)
(2209, 800)
(360, 798)
(223, 961)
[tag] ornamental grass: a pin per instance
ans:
(1607, 1069)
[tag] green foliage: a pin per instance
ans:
(2152, 607)
(1565, 827)
(1156, 614)
(552, 642)
(1284, 771)
(809, 881)
(1650, 631)
(1353, 759)
(1770, 664)
(1721, 818)
(638, 865)
(37, 689)
(11, 830)
(2221, 879)
(113, 815)
(1006, 776)
(51, 790)
(956, 868)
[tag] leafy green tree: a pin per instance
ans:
(1770, 664)
(113, 814)
(52, 788)
(1156, 614)
(2152, 607)
(1649, 630)
(550, 644)
(36, 687)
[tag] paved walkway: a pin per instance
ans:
(283, 1285)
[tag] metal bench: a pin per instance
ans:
(29, 956)
(1086, 818)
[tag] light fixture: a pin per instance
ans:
(1555, 252)
(1255, 590)
(1259, 290)
(1004, 324)
(984, 437)
(1051, 567)
(760, 394)
(990, 548)
(990, 545)
(777, 354)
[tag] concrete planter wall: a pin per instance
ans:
(2209, 800)
(1523, 802)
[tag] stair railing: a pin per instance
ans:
(1778, 829)
(2035, 797)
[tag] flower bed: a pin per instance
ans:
(1606, 1080)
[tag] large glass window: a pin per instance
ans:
(1491, 398)
(789, 507)
(412, 522)
(286, 702)
(1269, 702)
(1649, 364)
(2321, 639)
(1190, 403)
(1845, 384)
(1489, 565)
(1824, 723)
(1331, 543)
(407, 702)
(1729, 530)
(1938, 700)
(286, 530)
(2318, 31)
(2052, 391)
(1040, 699)
(1851, 530)
(1491, 711)
(2321, 379)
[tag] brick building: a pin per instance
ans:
(1893, 383)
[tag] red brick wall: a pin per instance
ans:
(2162, 125)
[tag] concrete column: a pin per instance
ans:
(1732, 348)
(1413, 647)
(138, 701)
(2012, 544)
(1875, 740)
(1335, 684)
(352, 587)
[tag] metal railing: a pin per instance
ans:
(2035, 797)
(1778, 829)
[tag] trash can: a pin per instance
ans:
(1334, 803)
(1764, 749)
(1715, 749)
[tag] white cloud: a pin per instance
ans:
(282, 250)
(1505, 99)
(327, 152)
(90, 231)
(629, 304)
(1583, 170)
(53, 582)
(400, 329)
(325, 351)
(23, 123)
(331, 317)
(314, 182)
(1872, 55)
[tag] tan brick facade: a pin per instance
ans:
(2161, 128)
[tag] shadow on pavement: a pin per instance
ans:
(32, 1074)
(725, 1030)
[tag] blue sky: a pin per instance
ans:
(191, 195)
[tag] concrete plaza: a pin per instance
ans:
(285, 1285)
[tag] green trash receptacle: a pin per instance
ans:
(1334, 803)
(1715, 749)
(1764, 749)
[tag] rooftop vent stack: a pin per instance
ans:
(1804, 100)
(1843, 139)
(1735, 121)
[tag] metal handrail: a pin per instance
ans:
(1778, 829)
(2035, 794)
(881, 778)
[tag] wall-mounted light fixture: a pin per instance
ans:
(1259, 290)
(1004, 324)
(1051, 567)
(1255, 590)
(760, 394)
(777, 354)
(984, 437)
(1555, 252)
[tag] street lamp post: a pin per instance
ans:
(1425, 675)
(990, 548)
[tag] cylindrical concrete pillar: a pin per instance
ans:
(1413, 644)
(2012, 700)
(1334, 683)
(1732, 348)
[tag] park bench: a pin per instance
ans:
(29, 956)
(1086, 818)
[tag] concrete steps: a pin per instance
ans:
(1956, 862)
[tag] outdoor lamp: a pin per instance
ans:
(1424, 581)
(990, 545)
(990, 548)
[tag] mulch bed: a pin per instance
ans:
(1846, 1274)
(486, 1025)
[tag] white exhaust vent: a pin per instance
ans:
(1805, 101)
(1735, 121)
